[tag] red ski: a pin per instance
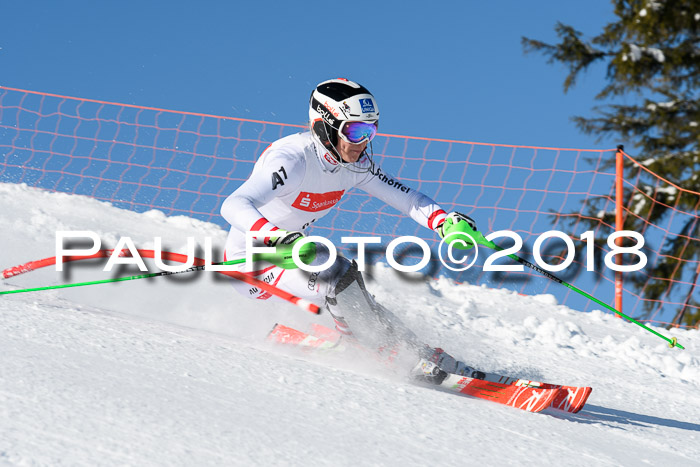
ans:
(521, 397)
(533, 396)
(569, 399)
(282, 334)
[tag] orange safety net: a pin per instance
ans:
(184, 163)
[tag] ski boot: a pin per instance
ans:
(445, 363)
(428, 372)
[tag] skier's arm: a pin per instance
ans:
(275, 174)
(420, 207)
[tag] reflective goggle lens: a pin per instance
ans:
(357, 132)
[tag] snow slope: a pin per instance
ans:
(175, 370)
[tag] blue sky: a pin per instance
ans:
(444, 69)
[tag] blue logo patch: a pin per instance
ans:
(367, 105)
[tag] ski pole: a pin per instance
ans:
(300, 302)
(481, 240)
(672, 342)
(120, 279)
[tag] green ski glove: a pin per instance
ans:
(284, 243)
(456, 227)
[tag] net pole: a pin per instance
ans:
(619, 222)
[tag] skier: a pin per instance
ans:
(296, 181)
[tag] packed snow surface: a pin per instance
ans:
(176, 370)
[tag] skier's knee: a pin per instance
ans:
(351, 276)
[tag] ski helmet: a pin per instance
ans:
(335, 104)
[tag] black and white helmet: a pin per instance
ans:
(335, 106)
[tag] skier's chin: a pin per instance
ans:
(351, 156)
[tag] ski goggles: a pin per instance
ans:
(357, 132)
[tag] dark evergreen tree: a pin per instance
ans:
(653, 59)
